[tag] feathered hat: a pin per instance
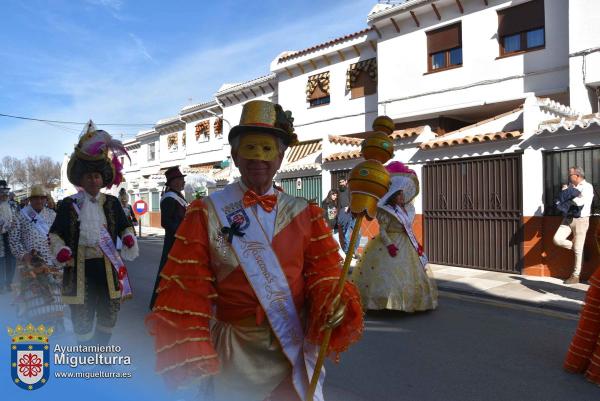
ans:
(401, 179)
(96, 152)
(37, 190)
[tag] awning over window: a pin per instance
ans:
(218, 126)
(320, 81)
(202, 128)
(172, 140)
(302, 150)
(203, 168)
(369, 66)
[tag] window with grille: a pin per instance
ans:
(444, 48)
(521, 28)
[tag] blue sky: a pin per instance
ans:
(139, 61)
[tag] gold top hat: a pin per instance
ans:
(37, 190)
(384, 124)
(266, 117)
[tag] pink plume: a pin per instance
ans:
(94, 148)
(118, 169)
(398, 167)
(117, 148)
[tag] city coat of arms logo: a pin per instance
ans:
(30, 355)
(239, 218)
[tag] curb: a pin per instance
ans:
(494, 299)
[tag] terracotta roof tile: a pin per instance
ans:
(323, 45)
(479, 123)
(349, 155)
(407, 132)
(356, 141)
(495, 136)
(570, 123)
(345, 140)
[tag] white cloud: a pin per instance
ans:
(141, 47)
(123, 89)
(112, 4)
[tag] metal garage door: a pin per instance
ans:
(305, 187)
(556, 168)
(472, 213)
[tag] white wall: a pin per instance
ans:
(66, 188)
(196, 149)
(402, 60)
(168, 157)
(584, 33)
(342, 115)
(149, 166)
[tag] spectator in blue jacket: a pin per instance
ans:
(571, 224)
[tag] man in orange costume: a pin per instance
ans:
(249, 283)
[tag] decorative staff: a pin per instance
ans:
(368, 182)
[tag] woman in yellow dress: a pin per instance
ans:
(393, 272)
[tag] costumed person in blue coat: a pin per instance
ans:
(172, 212)
(393, 272)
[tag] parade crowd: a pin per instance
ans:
(247, 282)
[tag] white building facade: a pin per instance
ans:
(492, 101)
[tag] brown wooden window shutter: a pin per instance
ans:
(523, 17)
(364, 85)
(446, 38)
(361, 78)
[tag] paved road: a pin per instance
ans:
(464, 351)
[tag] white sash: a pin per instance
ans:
(265, 275)
(36, 218)
(109, 250)
(403, 218)
(171, 194)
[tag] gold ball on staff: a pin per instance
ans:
(384, 124)
(379, 146)
(368, 182)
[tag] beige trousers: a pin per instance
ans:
(577, 226)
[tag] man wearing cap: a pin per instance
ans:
(7, 222)
(84, 235)
(40, 286)
(172, 211)
(263, 266)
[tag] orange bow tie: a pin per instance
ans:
(267, 202)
